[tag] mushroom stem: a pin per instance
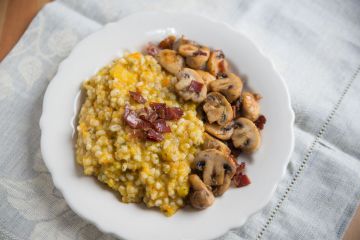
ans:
(200, 196)
(220, 190)
(216, 167)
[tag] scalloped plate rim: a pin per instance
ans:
(64, 64)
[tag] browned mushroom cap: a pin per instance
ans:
(188, 49)
(190, 85)
(199, 58)
(218, 109)
(250, 106)
(181, 41)
(213, 143)
(215, 166)
(220, 132)
(217, 63)
(230, 87)
(170, 60)
(200, 196)
(168, 42)
(207, 77)
(246, 135)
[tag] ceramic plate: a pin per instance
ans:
(130, 221)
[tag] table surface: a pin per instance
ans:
(15, 16)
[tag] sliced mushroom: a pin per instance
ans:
(181, 41)
(230, 87)
(200, 196)
(217, 168)
(168, 42)
(170, 60)
(190, 85)
(250, 106)
(220, 190)
(199, 58)
(188, 49)
(246, 135)
(207, 77)
(213, 143)
(220, 132)
(217, 63)
(218, 109)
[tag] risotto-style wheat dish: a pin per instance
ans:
(163, 128)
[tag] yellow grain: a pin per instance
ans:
(149, 172)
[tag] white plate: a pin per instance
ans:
(98, 204)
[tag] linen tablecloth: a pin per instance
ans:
(315, 45)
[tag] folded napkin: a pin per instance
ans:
(315, 45)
